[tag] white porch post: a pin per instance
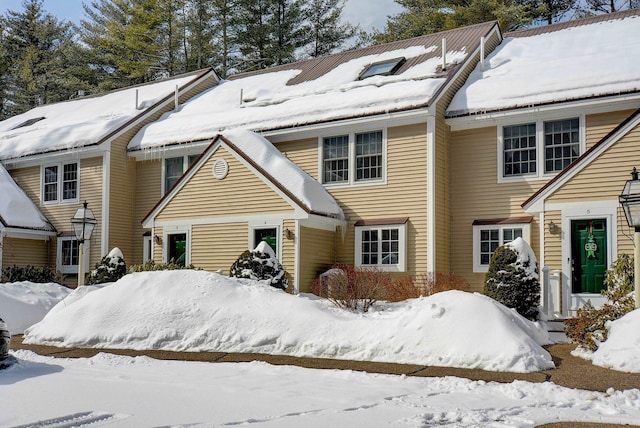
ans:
(636, 265)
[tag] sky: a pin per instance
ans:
(369, 14)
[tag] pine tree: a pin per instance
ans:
(132, 40)
(429, 16)
(327, 32)
(549, 11)
(35, 45)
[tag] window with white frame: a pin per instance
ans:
(147, 248)
(60, 183)
(173, 169)
(69, 255)
(543, 147)
(488, 237)
(381, 246)
(561, 144)
(353, 158)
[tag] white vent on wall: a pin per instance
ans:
(220, 168)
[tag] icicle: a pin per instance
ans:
(176, 99)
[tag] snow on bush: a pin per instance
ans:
(110, 269)
(203, 311)
(24, 303)
(512, 278)
(261, 264)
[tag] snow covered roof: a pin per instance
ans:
(577, 60)
(83, 121)
(275, 167)
(17, 210)
(319, 90)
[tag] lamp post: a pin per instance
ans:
(630, 201)
(83, 223)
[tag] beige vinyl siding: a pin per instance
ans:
(240, 193)
(604, 177)
(303, 153)
(553, 241)
(148, 190)
(288, 258)
(217, 246)
(404, 195)
(121, 201)
(158, 254)
(599, 125)
(316, 255)
(22, 252)
(477, 195)
(60, 215)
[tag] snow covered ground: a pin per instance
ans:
(23, 304)
(203, 311)
(132, 392)
(122, 391)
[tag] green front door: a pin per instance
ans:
(588, 255)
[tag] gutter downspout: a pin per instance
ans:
(296, 243)
(431, 193)
(106, 189)
(1, 245)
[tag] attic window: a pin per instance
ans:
(382, 68)
(28, 122)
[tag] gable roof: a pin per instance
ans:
(320, 90)
(532, 204)
(17, 210)
(86, 121)
(272, 166)
(576, 60)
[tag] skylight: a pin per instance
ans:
(28, 122)
(382, 68)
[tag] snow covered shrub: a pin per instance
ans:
(352, 288)
(589, 327)
(425, 284)
(31, 273)
(110, 269)
(512, 278)
(151, 265)
(260, 264)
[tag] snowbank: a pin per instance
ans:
(202, 311)
(621, 350)
(24, 303)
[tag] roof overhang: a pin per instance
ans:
(22, 233)
(593, 105)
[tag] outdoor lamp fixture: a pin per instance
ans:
(83, 223)
(630, 201)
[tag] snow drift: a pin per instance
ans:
(25, 303)
(203, 311)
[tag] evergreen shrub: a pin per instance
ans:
(110, 269)
(151, 265)
(38, 274)
(512, 278)
(261, 265)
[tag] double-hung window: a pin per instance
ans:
(381, 246)
(540, 148)
(69, 255)
(489, 235)
(174, 168)
(60, 183)
(353, 158)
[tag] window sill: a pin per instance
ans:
(354, 184)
